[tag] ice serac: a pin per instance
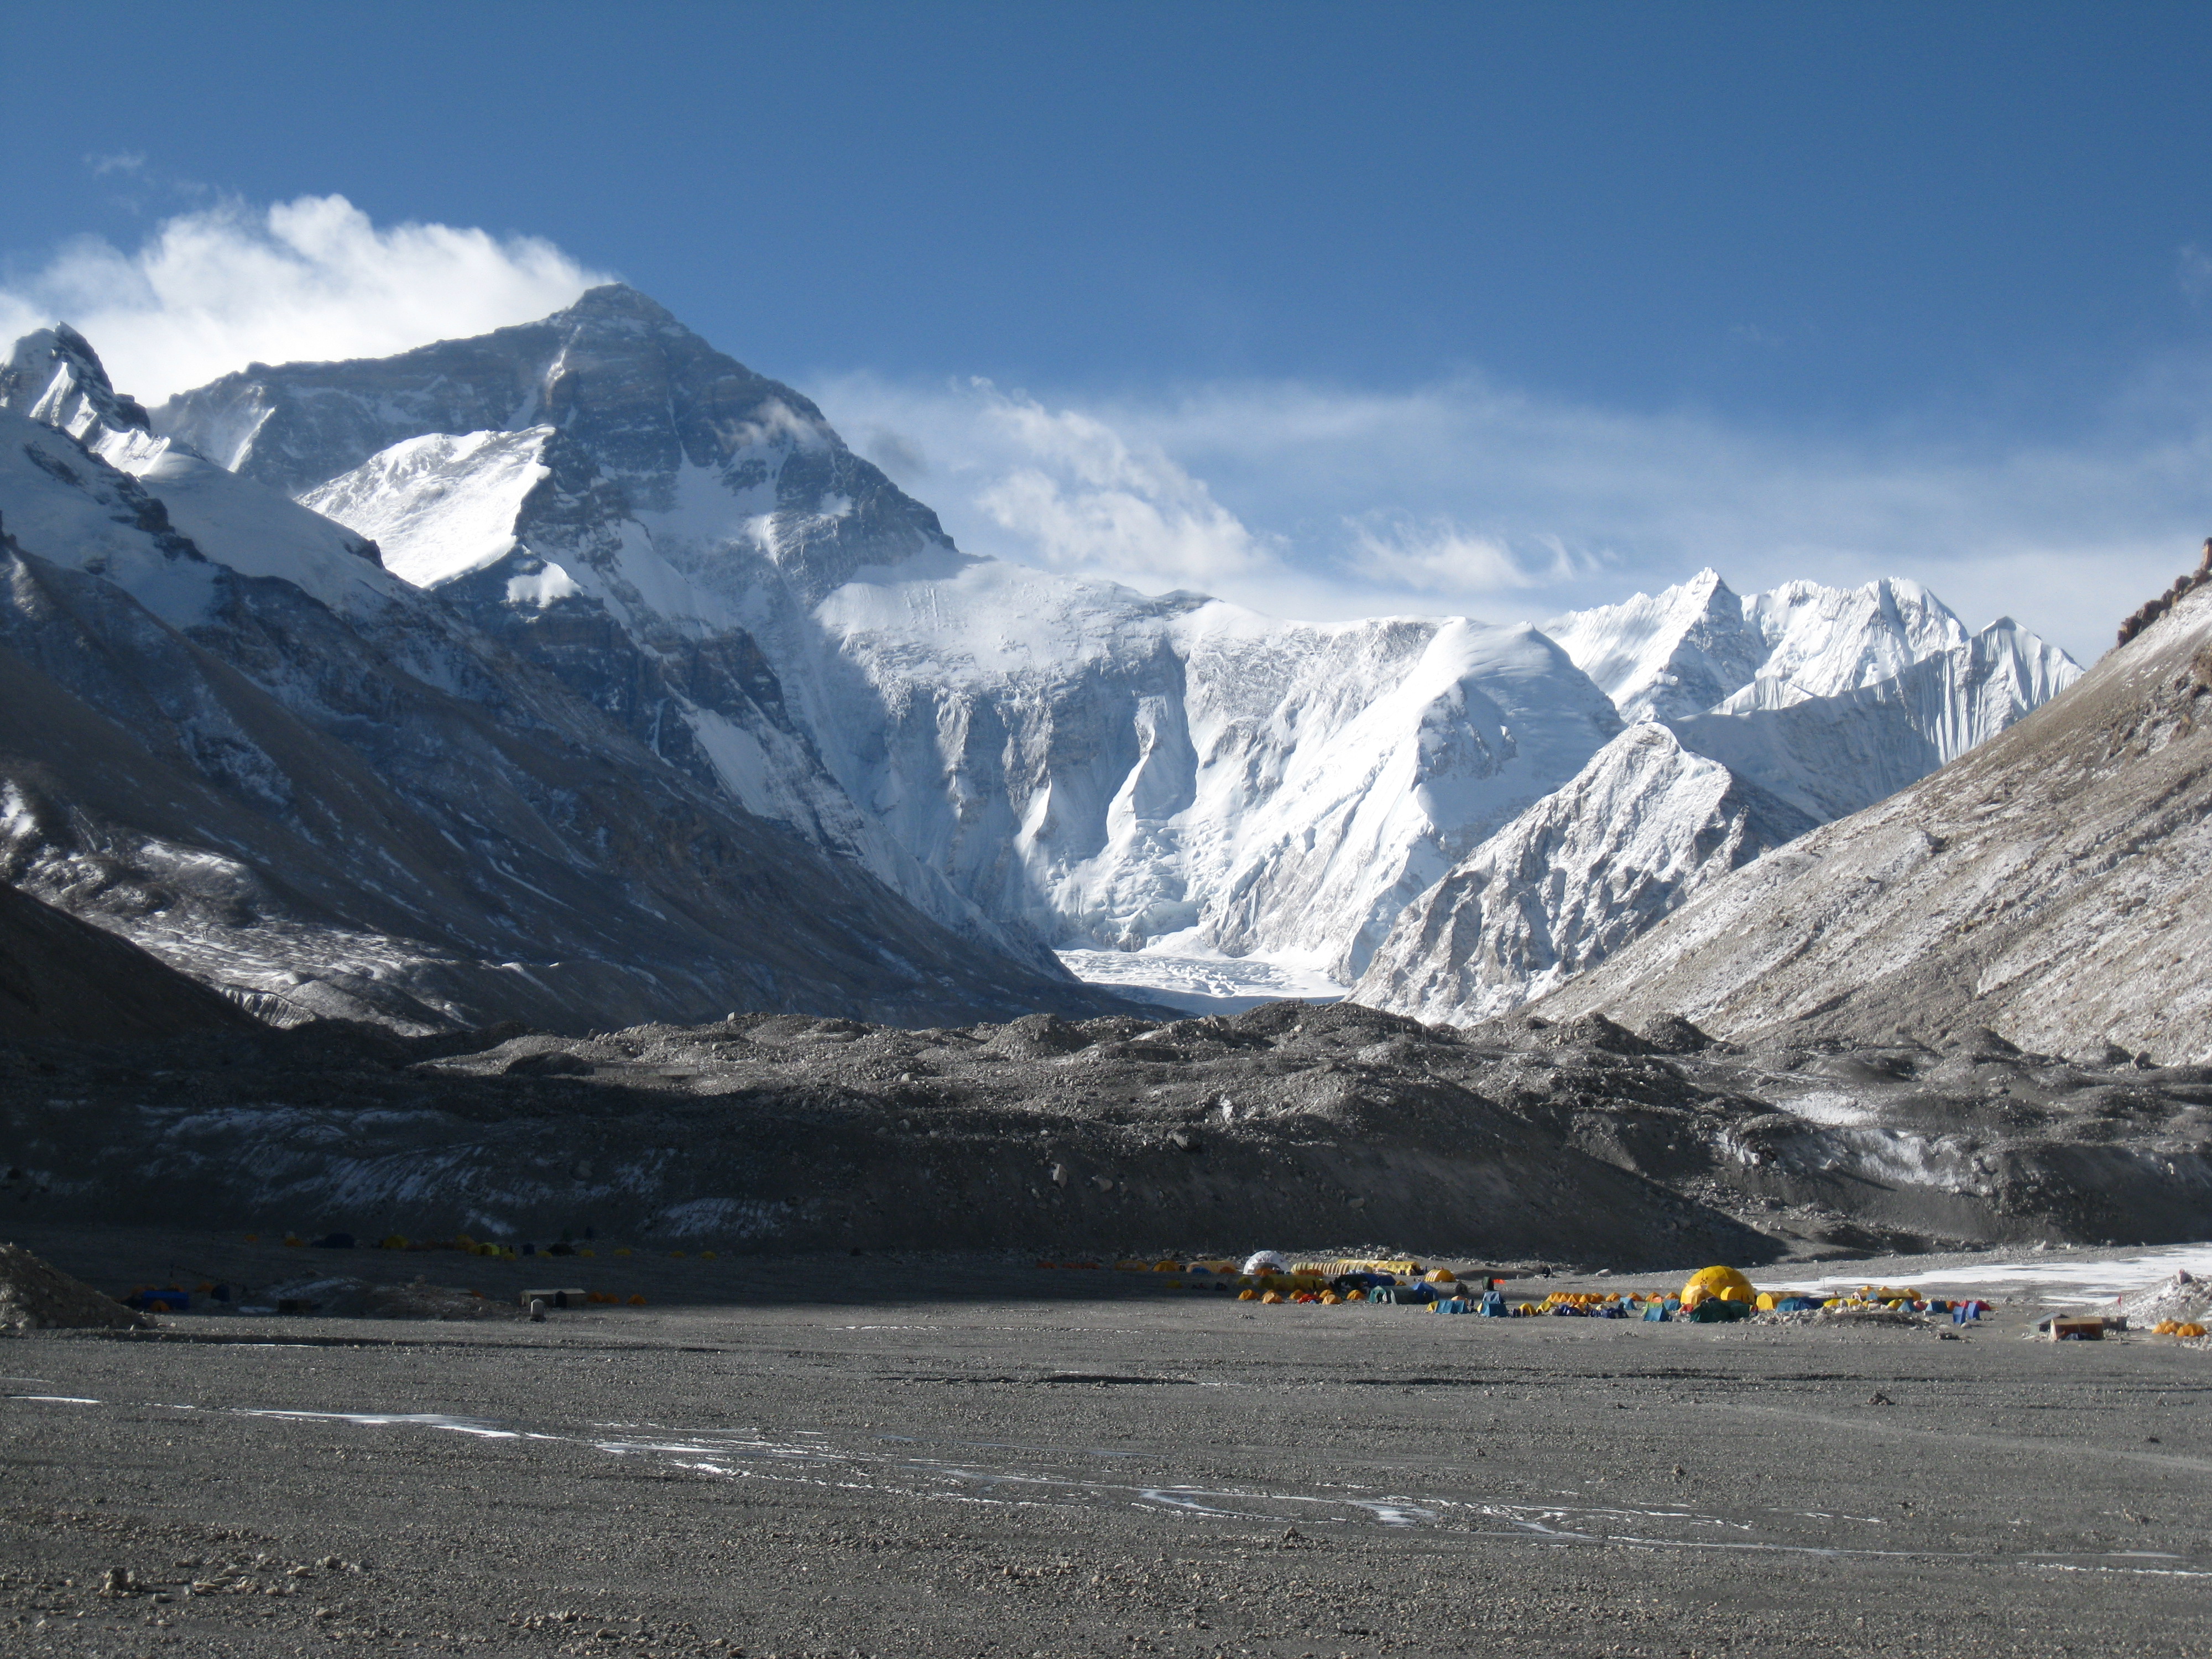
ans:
(1641, 829)
(1818, 730)
(2051, 885)
(1033, 759)
(297, 778)
(1113, 769)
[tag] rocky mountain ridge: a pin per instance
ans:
(2049, 884)
(294, 776)
(1828, 700)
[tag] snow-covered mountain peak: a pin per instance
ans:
(55, 377)
(1823, 640)
(721, 466)
(1695, 645)
(1035, 759)
(1662, 654)
(1669, 809)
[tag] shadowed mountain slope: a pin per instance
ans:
(60, 977)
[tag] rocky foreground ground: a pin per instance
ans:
(1523, 1142)
(956, 1457)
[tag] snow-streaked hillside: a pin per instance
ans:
(2051, 885)
(1575, 877)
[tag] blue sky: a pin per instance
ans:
(1331, 308)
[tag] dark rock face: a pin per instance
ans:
(63, 978)
(2152, 610)
(1293, 1125)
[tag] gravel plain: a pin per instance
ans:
(916, 1454)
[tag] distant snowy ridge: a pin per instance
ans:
(1822, 702)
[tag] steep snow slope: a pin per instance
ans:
(364, 807)
(54, 377)
(1030, 757)
(1124, 767)
(1574, 879)
(1654, 820)
(2051, 884)
(1675, 653)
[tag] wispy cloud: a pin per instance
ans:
(1293, 497)
(212, 290)
(124, 161)
(1437, 556)
(1058, 487)
(1467, 496)
(2192, 272)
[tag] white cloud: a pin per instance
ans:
(1437, 556)
(1059, 487)
(212, 290)
(1296, 498)
(1464, 497)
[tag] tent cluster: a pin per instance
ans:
(1711, 1295)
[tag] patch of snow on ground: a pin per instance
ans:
(2059, 1276)
(1838, 1111)
(1179, 971)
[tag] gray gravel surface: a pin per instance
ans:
(960, 1458)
